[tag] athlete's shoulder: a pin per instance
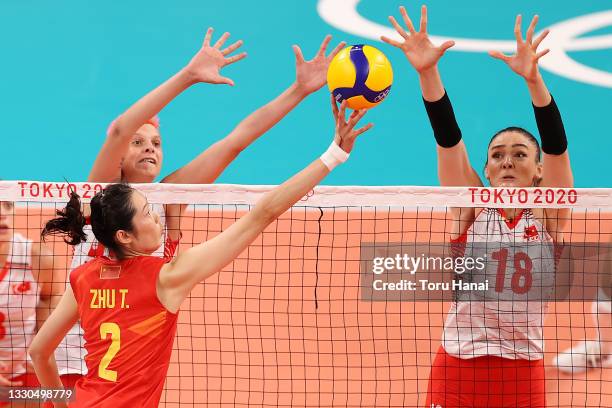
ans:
(148, 261)
(85, 269)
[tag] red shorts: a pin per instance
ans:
(69, 381)
(487, 381)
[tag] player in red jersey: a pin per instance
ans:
(128, 306)
(492, 351)
(132, 151)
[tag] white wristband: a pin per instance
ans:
(334, 156)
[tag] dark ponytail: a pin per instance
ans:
(111, 211)
(70, 222)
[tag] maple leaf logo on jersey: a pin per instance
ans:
(531, 233)
(22, 287)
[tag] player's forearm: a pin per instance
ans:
(260, 121)
(46, 370)
(557, 170)
(210, 164)
(431, 84)
(150, 105)
(107, 166)
(540, 96)
(279, 200)
(43, 310)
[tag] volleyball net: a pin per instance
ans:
(342, 301)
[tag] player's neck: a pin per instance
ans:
(130, 253)
(511, 213)
(138, 179)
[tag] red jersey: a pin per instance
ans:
(128, 332)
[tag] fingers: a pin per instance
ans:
(499, 55)
(207, 37)
(540, 38)
(224, 80)
(356, 117)
(324, 45)
(407, 20)
(336, 50)
(221, 40)
(342, 114)
(232, 47)
(334, 107)
(398, 27)
(363, 129)
(542, 53)
(446, 46)
(531, 28)
(235, 58)
(517, 29)
(299, 57)
(423, 25)
(391, 42)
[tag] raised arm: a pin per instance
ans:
(47, 339)
(556, 169)
(205, 66)
(310, 77)
(454, 168)
(51, 280)
(199, 262)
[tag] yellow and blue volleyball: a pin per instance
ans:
(361, 75)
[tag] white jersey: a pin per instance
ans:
(520, 269)
(19, 295)
(70, 354)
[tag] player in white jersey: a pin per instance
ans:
(132, 151)
(491, 355)
(27, 295)
(595, 352)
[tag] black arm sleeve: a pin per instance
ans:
(550, 126)
(443, 122)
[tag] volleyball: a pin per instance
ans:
(361, 75)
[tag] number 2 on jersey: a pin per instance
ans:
(115, 332)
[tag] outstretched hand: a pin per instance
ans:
(418, 48)
(206, 65)
(345, 130)
(312, 75)
(525, 61)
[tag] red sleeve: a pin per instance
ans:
(171, 246)
(457, 245)
(73, 282)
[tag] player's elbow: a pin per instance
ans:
(38, 353)
(114, 130)
(231, 147)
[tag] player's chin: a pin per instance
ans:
(144, 174)
(511, 183)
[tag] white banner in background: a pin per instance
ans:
(563, 37)
(326, 196)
